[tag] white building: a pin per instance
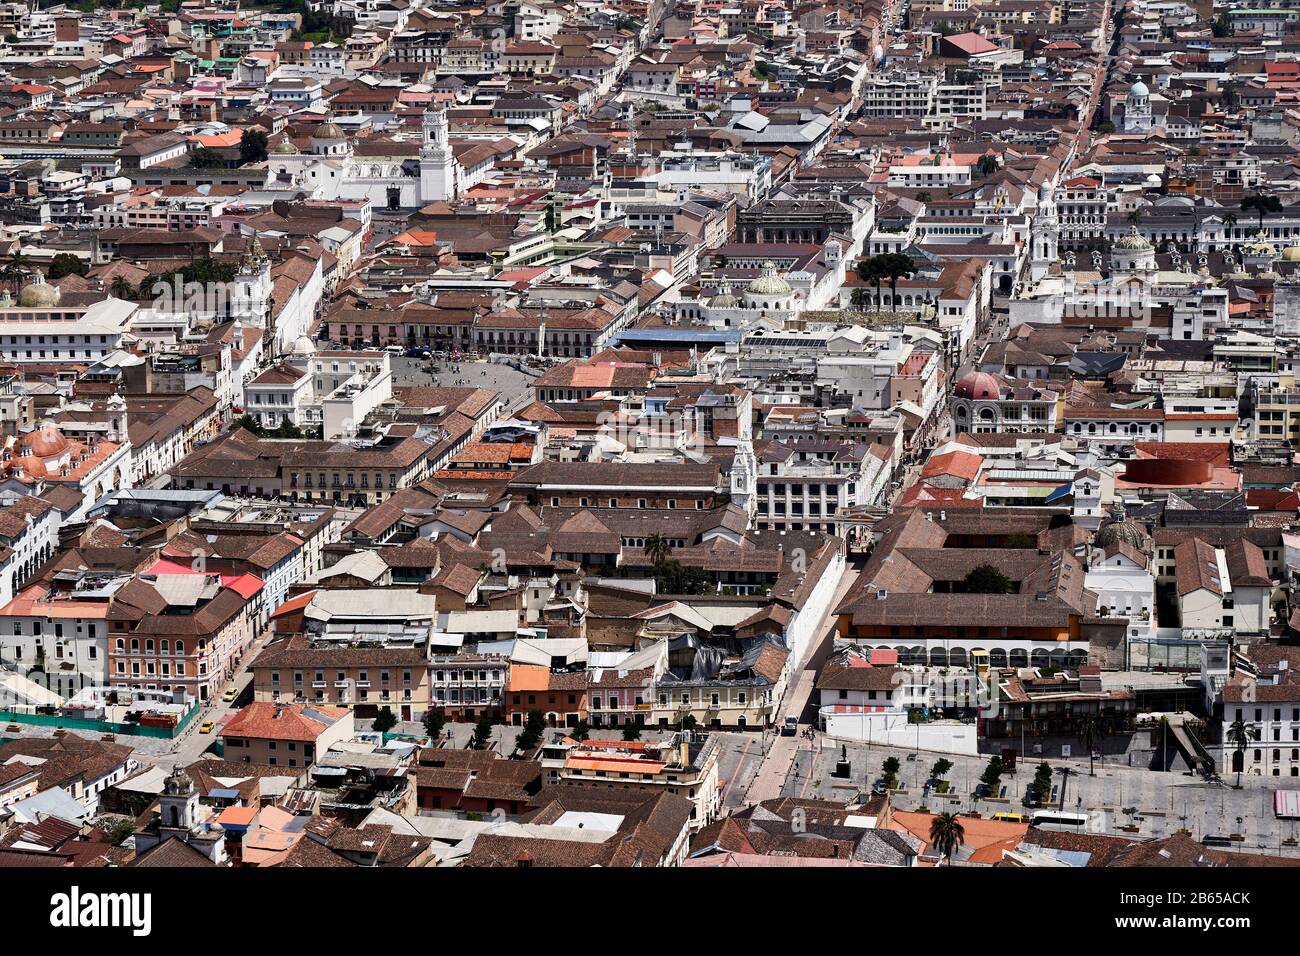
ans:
(38, 329)
(29, 535)
(1264, 694)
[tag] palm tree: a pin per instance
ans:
(947, 834)
(16, 268)
(121, 288)
(1091, 736)
(1066, 773)
(657, 549)
(1229, 221)
(1240, 735)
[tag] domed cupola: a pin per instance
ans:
(1121, 529)
(978, 385)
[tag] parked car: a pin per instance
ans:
(206, 727)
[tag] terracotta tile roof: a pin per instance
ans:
(266, 721)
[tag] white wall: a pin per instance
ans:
(892, 729)
(803, 628)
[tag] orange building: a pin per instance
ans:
(560, 696)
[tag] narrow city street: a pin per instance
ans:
(192, 744)
(779, 750)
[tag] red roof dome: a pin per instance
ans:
(48, 442)
(978, 385)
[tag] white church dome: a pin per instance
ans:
(769, 283)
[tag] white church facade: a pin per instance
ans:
(330, 169)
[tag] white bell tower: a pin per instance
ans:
(1045, 236)
(1137, 109)
(250, 303)
(437, 165)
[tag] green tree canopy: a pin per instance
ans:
(253, 147)
(986, 579)
(482, 733)
(672, 577)
(66, 264)
(385, 721)
(434, 723)
(204, 158)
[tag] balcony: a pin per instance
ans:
(318, 684)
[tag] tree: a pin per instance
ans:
(65, 264)
(632, 730)
(987, 165)
(924, 196)
(890, 767)
(947, 834)
(531, 735)
(1042, 786)
(686, 723)
(859, 299)
(992, 775)
(871, 270)
(1229, 223)
(1240, 735)
(657, 549)
(940, 769)
(385, 721)
(1261, 205)
(16, 268)
(249, 423)
(121, 288)
(1065, 773)
(580, 731)
(1105, 127)
(204, 158)
(482, 733)
(286, 429)
(120, 831)
(434, 722)
(1091, 736)
(672, 577)
(253, 147)
(896, 266)
(1222, 25)
(986, 579)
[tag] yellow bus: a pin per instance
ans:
(1010, 817)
